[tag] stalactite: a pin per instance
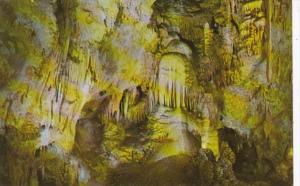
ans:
(208, 34)
(135, 104)
(171, 81)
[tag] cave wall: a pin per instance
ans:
(59, 58)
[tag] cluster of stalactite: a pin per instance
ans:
(134, 105)
(75, 75)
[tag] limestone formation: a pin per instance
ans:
(145, 92)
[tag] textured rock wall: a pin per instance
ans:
(81, 78)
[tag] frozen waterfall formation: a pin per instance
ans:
(175, 95)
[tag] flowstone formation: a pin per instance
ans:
(145, 92)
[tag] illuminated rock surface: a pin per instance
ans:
(145, 92)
